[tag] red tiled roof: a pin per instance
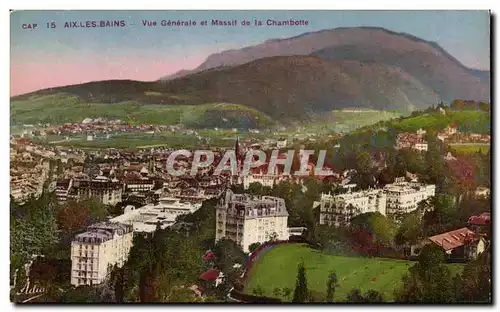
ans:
(134, 168)
(210, 275)
(209, 255)
(482, 219)
(453, 239)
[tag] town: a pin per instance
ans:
(143, 197)
(256, 157)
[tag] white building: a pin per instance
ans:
(414, 141)
(399, 197)
(281, 143)
(403, 197)
(265, 179)
(451, 130)
(248, 219)
(145, 219)
(93, 252)
(421, 132)
(108, 192)
(339, 209)
(421, 147)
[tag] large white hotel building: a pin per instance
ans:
(94, 251)
(248, 219)
(397, 198)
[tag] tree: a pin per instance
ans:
(73, 218)
(277, 292)
(372, 230)
(410, 231)
(42, 272)
(273, 237)
(81, 294)
(474, 284)
(434, 160)
(258, 291)
(227, 253)
(330, 286)
(371, 296)
(255, 188)
(354, 295)
(286, 292)
(429, 280)
(254, 246)
(301, 292)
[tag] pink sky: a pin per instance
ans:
(35, 75)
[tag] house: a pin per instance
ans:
(414, 141)
(449, 157)
(209, 255)
(482, 192)
(421, 132)
(451, 129)
(281, 143)
(479, 221)
(460, 244)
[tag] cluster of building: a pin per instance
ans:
(28, 177)
(415, 141)
(101, 126)
(162, 213)
(31, 167)
(393, 199)
(450, 135)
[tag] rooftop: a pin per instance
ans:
(453, 239)
(101, 232)
(249, 206)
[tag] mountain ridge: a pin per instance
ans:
(483, 74)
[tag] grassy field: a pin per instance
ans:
(141, 140)
(465, 149)
(278, 268)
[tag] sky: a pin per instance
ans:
(49, 57)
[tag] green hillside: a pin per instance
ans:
(467, 121)
(62, 108)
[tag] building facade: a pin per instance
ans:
(415, 141)
(394, 199)
(338, 210)
(106, 191)
(94, 251)
(247, 219)
(404, 197)
(163, 213)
